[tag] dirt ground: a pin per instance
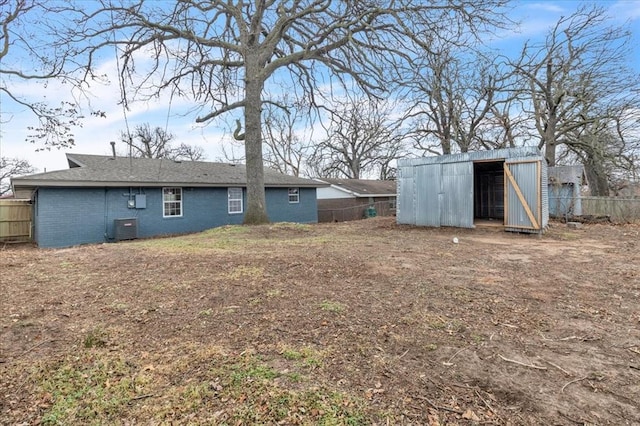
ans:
(366, 322)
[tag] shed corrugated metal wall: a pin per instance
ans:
(457, 195)
(544, 193)
(439, 191)
(427, 196)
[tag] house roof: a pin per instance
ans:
(101, 171)
(364, 187)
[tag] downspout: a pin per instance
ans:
(34, 213)
(106, 217)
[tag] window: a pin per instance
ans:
(392, 203)
(172, 202)
(294, 195)
(235, 200)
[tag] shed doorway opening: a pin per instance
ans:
(488, 192)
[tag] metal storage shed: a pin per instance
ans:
(503, 186)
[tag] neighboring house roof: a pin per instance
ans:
(364, 187)
(101, 171)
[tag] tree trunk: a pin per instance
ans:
(256, 203)
(596, 177)
(446, 143)
(550, 142)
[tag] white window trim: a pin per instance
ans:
(297, 194)
(229, 199)
(164, 202)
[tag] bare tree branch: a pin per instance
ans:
(223, 54)
(579, 87)
(10, 167)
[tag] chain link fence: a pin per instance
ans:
(597, 209)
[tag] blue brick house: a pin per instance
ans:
(103, 198)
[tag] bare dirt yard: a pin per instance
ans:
(365, 322)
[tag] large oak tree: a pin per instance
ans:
(226, 55)
(581, 92)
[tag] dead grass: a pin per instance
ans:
(355, 323)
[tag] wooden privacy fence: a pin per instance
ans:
(15, 220)
(613, 209)
(618, 210)
(360, 211)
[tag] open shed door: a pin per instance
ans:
(523, 195)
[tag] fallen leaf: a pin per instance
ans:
(470, 415)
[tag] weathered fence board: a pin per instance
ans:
(619, 210)
(613, 209)
(15, 220)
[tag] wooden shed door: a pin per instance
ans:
(522, 204)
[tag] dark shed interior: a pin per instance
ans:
(488, 194)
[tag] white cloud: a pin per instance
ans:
(175, 114)
(545, 7)
(625, 10)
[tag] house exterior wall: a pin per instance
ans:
(70, 216)
(67, 217)
(280, 210)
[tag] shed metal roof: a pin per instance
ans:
(488, 155)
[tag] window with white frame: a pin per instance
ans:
(172, 202)
(235, 200)
(294, 195)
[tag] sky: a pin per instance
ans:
(178, 117)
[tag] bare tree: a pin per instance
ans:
(435, 83)
(285, 149)
(459, 99)
(145, 142)
(222, 54)
(363, 138)
(188, 152)
(610, 153)
(28, 56)
(10, 167)
(579, 85)
(504, 126)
